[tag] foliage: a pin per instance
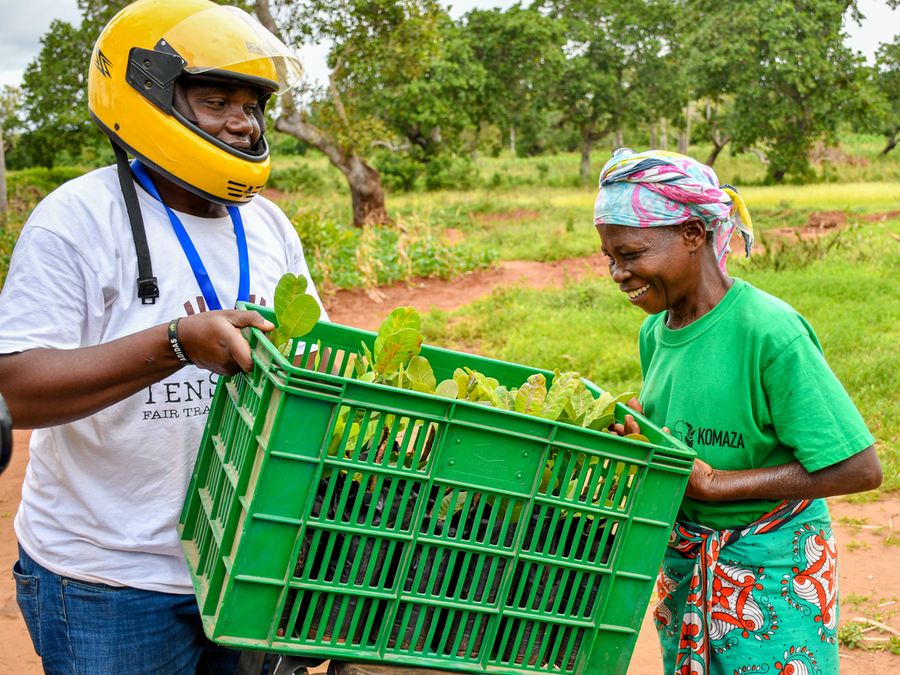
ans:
(296, 178)
(452, 172)
(521, 53)
(620, 68)
(850, 635)
(387, 254)
(399, 172)
(29, 186)
(783, 78)
(295, 310)
(887, 79)
(55, 100)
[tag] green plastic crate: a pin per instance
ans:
(302, 540)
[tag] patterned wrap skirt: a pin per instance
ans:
(762, 599)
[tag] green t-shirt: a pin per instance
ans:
(747, 386)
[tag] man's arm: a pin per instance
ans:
(46, 387)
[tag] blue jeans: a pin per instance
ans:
(81, 628)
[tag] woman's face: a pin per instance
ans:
(651, 265)
(225, 111)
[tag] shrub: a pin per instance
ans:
(27, 187)
(450, 172)
(398, 172)
(346, 257)
(298, 178)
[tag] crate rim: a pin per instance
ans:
(678, 450)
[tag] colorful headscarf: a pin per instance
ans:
(656, 188)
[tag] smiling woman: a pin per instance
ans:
(740, 377)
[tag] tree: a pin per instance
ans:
(521, 51)
(378, 48)
(619, 69)
(55, 97)
(775, 73)
(9, 107)
(3, 199)
(887, 78)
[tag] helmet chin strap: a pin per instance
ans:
(148, 287)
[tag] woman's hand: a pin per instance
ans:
(630, 425)
(702, 483)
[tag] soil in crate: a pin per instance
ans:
(349, 560)
(471, 579)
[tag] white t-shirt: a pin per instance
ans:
(102, 495)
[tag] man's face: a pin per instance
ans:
(226, 111)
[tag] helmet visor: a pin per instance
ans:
(229, 39)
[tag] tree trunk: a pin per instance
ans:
(891, 142)
(512, 140)
(714, 153)
(653, 136)
(587, 144)
(663, 134)
(619, 139)
(684, 138)
(718, 143)
(366, 192)
(2, 182)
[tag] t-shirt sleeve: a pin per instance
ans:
(811, 411)
(49, 297)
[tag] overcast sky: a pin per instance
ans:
(24, 21)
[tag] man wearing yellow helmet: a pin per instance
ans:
(116, 323)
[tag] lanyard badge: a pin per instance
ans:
(190, 251)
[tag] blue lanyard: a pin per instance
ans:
(190, 251)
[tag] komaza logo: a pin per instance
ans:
(688, 434)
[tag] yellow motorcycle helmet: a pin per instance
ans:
(137, 60)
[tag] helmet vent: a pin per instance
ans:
(242, 191)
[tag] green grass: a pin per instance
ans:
(848, 291)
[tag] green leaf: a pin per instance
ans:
(461, 378)
(448, 388)
(402, 318)
(504, 399)
(531, 395)
(561, 392)
(419, 371)
(396, 350)
(621, 398)
(295, 312)
(637, 437)
(450, 506)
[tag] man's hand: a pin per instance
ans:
(213, 340)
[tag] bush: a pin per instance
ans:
(298, 178)
(346, 257)
(8, 237)
(451, 172)
(27, 187)
(398, 172)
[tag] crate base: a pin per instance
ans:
(373, 669)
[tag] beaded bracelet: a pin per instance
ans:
(175, 342)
